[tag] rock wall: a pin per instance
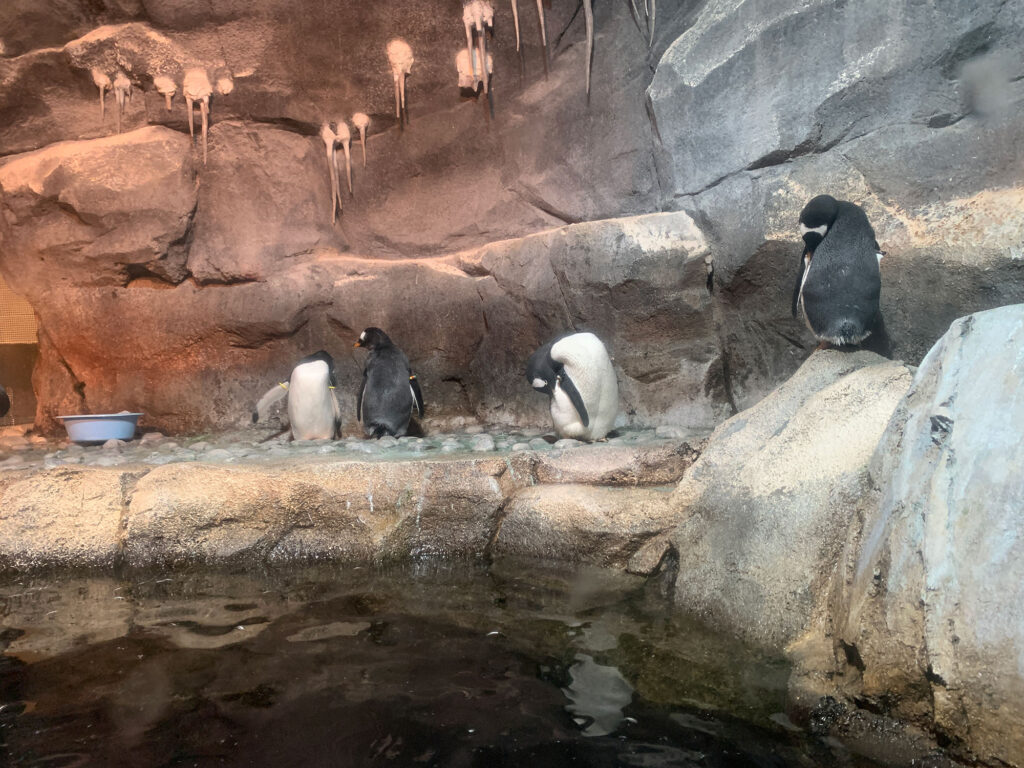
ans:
(933, 605)
(911, 111)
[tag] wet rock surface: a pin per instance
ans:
(765, 511)
(232, 498)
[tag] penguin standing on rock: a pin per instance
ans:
(576, 373)
(313, 412)
(389, 390)
(839, 283)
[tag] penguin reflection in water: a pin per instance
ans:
(313, 412)
(576, 373)
(389, 390)
(838, 287)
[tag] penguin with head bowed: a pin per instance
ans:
(5, 402)
(839, 282)
(313, 412)
(389, 390)
(575, 371)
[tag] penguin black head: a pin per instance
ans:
(816, 218)
(372, 338)
(542, 370)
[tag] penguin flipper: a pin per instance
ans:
(277, 392)
(799, 282)
(359, 398)
(337, 415)
(417, 395)
(574, 396)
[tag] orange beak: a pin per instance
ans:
(358, 344)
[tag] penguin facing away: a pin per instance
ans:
(839, 281)
(313, 412)
(5, 401)
(577, 374)
(389, 389)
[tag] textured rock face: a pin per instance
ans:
(911, 110)
(764, 513)
(232, 509)
(933, 607)
(171, 295)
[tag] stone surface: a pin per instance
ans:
(764, 513)
(71, 517)
(933, 603)
(881, 105)
(580, 523)
(233, 502)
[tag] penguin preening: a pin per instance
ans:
(5, 402)
(839, 282)
(576, 373)
(313, 412)
(389, 390)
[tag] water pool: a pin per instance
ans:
(515, 664)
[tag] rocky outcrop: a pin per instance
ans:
(932, 608)
(764, 512)
(250, 296)
(322, 501)
(912, 111)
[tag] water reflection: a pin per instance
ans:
(446, 665)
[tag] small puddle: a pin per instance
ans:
(424, 665)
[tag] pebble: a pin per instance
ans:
(156, 449)
(482, 442)
(567, 442)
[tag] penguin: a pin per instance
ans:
(839, 281)
(389, 390)
(5, 401)
(313, 412)
(575, 371)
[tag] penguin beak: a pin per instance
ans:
(357, 344)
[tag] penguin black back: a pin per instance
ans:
(5, 402)
(839, 283)
(389, 389)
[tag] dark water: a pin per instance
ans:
(438, 665)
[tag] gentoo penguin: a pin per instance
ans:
(389, 390)
(577, 374)
(313, 412)
(5, 402)
(839, 282)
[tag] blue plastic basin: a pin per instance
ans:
(100, 427)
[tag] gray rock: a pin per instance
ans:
(114, 446)
(567, 442)
(539, 444)
(765, 510)
(387, 442)
(218, 454)
(938, 584)
(521, 447)
(481, 443)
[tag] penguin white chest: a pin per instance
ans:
(311, 407)
(564, 416)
